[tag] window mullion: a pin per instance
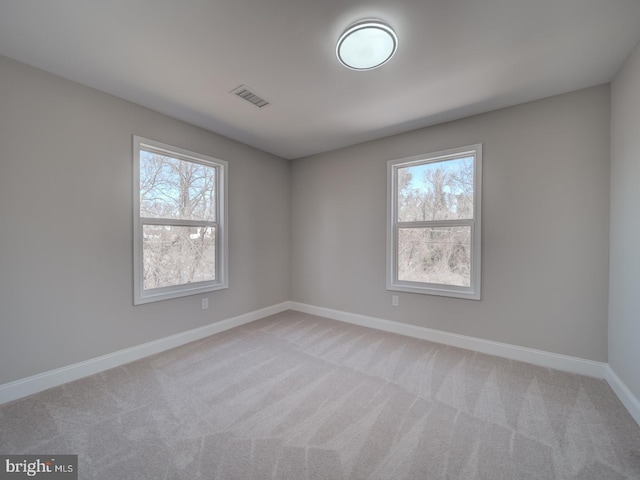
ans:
(436, 223)
(176, 222)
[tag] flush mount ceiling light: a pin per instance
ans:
(366, 45)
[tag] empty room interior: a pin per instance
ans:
(320, 239)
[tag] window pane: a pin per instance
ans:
(178, 189)
(175, 255)
(435, 255)
(436, 191)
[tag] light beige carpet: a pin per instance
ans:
(295, 396)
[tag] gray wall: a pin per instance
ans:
(312, 230)
(66, 225)
(545, 227)
(624, 287)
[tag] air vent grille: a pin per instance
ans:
(248, 94)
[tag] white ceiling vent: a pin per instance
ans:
(248, 94)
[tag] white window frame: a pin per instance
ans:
(142, 296)
(393, 283)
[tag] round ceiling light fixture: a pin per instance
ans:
(366, 45)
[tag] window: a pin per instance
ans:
(180, 236)
(433, 238)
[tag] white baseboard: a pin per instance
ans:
(36, 383)
(628, 399)
(529, 355)
(53, 378)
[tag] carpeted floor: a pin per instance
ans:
(294, 396)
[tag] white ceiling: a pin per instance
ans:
(455, 58)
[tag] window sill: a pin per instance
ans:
(439, 290)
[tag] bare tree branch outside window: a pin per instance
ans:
(434, 229)
(435, 192)
(178, 210)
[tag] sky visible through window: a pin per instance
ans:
(174, 188)
(418, 178)
(439, 191)
(436, 191)
(177, 190)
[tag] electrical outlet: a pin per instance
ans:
(205, 303)
(395, 301)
